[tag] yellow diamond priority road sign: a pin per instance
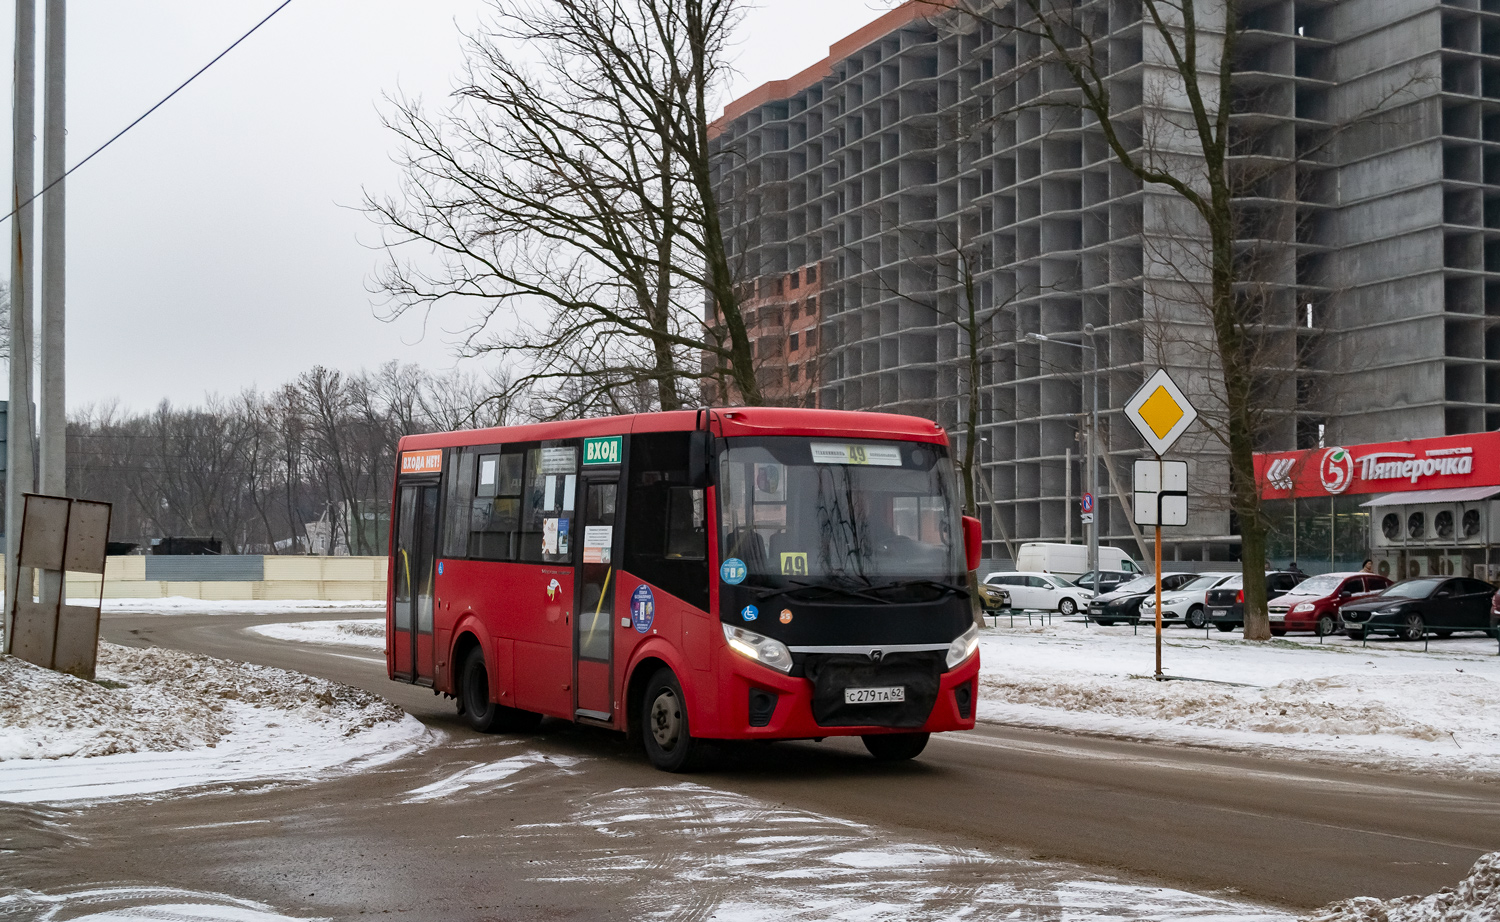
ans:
(1160, 411)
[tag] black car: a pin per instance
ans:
(1124, 604)
(1412, 607)
(1109, 580)
(1226, 604)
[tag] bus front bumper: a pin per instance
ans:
(760, 703)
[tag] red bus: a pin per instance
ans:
(724, 574)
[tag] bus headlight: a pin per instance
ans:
(964, 646)
(762, 649)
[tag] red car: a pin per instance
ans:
(1314, 604)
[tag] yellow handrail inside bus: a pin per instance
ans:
(603, 589)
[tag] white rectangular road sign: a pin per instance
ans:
(1161, 493)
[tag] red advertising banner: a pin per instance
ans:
(1385, 467)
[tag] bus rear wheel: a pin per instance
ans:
(664, 725)
(895, 747)
(479, 711)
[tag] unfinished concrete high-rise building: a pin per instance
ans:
(929, 155)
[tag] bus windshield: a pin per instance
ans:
(840, 512)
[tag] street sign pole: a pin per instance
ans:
(1160, 412)
(1158, 601)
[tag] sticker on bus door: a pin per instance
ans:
(642, 608)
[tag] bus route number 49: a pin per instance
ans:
(886, 695)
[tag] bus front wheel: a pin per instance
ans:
(895, 747)
(664, 725)
(479, 711)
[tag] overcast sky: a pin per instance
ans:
(217, 246)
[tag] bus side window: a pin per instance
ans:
(460, 485)
(666, 522)
(687, 538)
(548, 501)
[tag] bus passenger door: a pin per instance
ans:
(593, 642)
(416, 550)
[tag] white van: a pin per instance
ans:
(1070, 561)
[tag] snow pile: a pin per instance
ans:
(1475, 899)
(368, 634)
(1387, 704)
(161, 719)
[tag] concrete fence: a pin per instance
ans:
(246, 577)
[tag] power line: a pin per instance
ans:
(143, 115)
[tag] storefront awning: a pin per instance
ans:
(1456, 495)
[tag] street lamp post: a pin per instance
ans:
(1093, 465)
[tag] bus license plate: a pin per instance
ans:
(874, 695)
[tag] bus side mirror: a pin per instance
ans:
(700, 450)
(973, 543)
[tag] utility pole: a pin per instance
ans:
(52, 474)
(53, 409)
(20, 427)
(1093, 477)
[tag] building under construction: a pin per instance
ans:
(930, 156)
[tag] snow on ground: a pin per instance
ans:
(1475, 899)
(1387, 704)
(368, 633)
(145, 904)
(726, 857)
(177, 605)
(160, 720)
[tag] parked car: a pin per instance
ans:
(994, 598)
(1313, 605)
(1069, 560)
(1107, 580)
(1412, 607)
(1124, 603)
(1184, 605)
(1041, 592)
(1226, 603)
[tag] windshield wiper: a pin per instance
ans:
(930, 583)
(797, 586)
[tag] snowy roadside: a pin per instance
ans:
(365, 633)
(177, 605)
(1385, 705)
(1475, 899)
(160, 720)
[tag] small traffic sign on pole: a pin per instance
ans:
(1160, 412)
(1161, 493)
(1087, 504)
(1087, 518)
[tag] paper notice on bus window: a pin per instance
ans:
(488, 465)
(559, 460)
(549, 536)
(596, 543)
(570, 486)
(856, 453)
(549, 493)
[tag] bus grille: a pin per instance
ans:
(919, 673)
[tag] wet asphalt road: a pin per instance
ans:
(1292, 834)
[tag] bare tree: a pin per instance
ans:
(568, 194)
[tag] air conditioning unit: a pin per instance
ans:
(1471, 521)
(1418, 566)
(1388, 525)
